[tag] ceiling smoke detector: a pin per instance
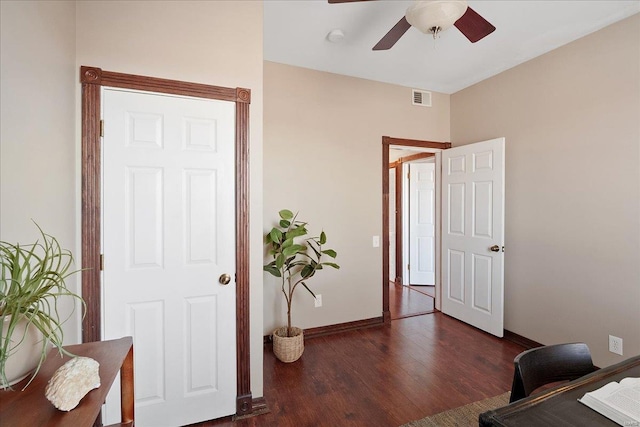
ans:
(335, 36)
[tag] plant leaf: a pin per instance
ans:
(284, 223)
(280, 261)
(332, 264)
(293, 249)
(323, 238)
(330, 252)
(272, 270)
(307, 271)
(276, 235)
(307, 288)
(314, 249)
(296, 232)
(288, 242)
(286, 214)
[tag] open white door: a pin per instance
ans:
(169, 234)
(422, 224)
(473, 234)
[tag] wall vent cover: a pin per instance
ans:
(421, 97)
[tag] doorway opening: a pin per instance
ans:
(393, 289)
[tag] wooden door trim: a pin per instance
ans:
(92, 79)
(386, 142)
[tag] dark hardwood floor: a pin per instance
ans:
(405, 301)
(384, 376)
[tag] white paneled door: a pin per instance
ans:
(422, 182)
(473, 234)
(168, 236)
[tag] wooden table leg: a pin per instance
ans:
(127, 399)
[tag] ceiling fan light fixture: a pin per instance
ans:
(435, 16)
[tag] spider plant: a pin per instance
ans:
(32, 284)
(292, 262)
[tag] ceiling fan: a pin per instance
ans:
(433, 17)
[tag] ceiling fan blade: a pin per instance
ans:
(473, 26)
(393, 35)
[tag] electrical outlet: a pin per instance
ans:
(615, 345)
(318, 301)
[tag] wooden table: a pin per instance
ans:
(559, 406)
(31, 408)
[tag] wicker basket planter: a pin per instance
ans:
(288, 349)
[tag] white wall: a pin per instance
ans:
(37, 128)
(571, 122)
(323, 157)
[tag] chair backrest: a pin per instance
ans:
(548, 364)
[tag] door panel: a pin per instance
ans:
(422, 223)
(168, 233)
(473, 215)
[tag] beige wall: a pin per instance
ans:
(322, 157)
(218, 43)
(571, 122)
(37, 127)
(43, 45)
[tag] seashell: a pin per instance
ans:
(71, 382)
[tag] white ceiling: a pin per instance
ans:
(295, 33)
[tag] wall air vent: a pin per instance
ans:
(421, 97)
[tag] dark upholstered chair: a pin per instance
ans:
(547, 364)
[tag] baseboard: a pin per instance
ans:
(520, 340)
(258, 407)
(333, 329)
(342, 327)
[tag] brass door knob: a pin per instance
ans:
(224, 279)
(495, 248)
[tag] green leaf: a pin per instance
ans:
(286, 214)
(276, 235)
(323, 238)
(307, 271)
(293, 249)
(284, 223)
(332, 264)
(330, 252)
(272, 270)
(280, 261)
(296, 232)
(307, 288)
(288, 242)
(314, 249)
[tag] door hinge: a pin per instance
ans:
(408, 175)
(101, 262)
(102, 128)
(408, 266)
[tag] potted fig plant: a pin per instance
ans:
(32, 284)
(296, 259)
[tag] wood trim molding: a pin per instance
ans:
(520, 340)
(90, 236)
(244, 400)
(334, 329)
(399, 224)
(386, 142)
(92, 79)
(414, 157)
(342, 327)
